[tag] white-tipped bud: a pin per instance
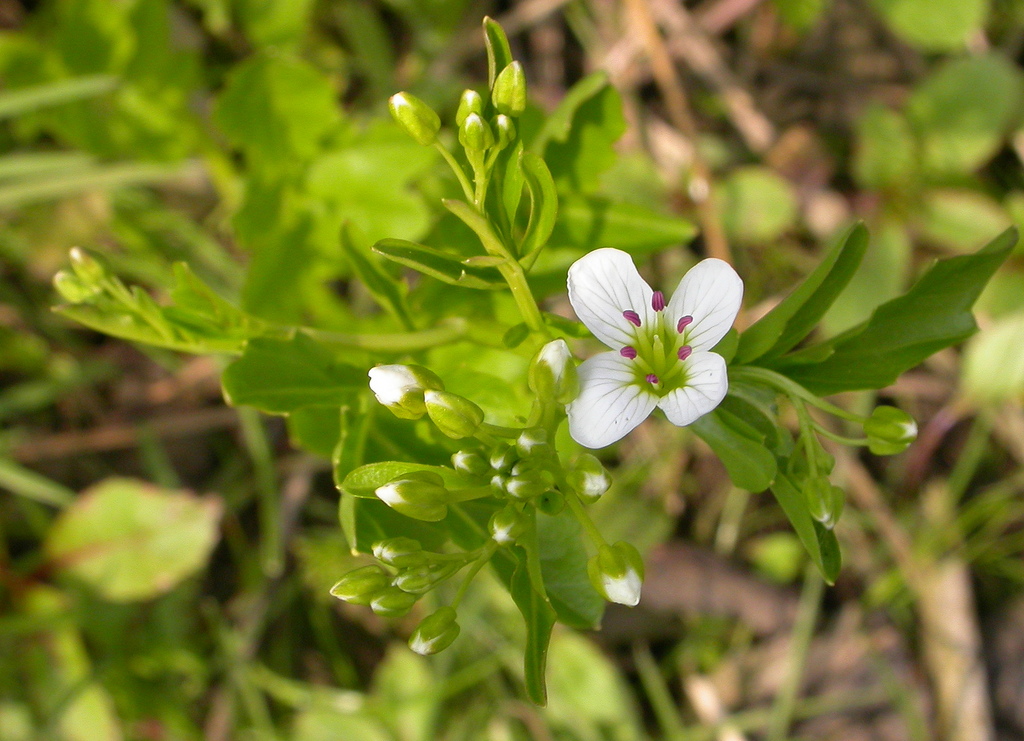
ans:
(400, 388)
(617, 573)
(589, 478)
(552, 373)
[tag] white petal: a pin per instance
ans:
(610, 403)
(603, 284)
(706, 384)
(711, 292)
(390, 382)
(625, 590)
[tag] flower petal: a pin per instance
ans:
(610, 404)
(711, 292)
(706, 384)
(602, 285)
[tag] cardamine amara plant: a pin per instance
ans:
(496, 469)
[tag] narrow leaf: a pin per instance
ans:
(499, 53)
(437, 264)
(740, 447)
(539, 619)
(385, 290)
(821, 544)
(543, 206)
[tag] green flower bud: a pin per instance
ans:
(85, 266)
(551, 502)
(435, 633)
(73, 289)
(617, 573)
(889, 430)
(507, 524)
(360, 586)
(498, 483)
(475, 134)
(533, 442)
(824, 500)
(421, 579)
(400, 388)
(470, 102)
(393, 602)
(552, 375)
(506, 130)
(527, 464)
(503, 456)
(470, 462)
(417, 494)
(417, 118)
(509, 91)
(529, 485)
(589, 478)
(454, 415)
(399, 552)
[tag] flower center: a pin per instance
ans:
(660, 350)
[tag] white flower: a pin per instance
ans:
(660, 350)
(389, 383)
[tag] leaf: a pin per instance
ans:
(591, 222)
(132, 541)
(886, 151)
(993, 367)
(963, 111)
(543, 205)
(740, 447)
(935, 313)
(796, 315)
(821, 544)
(316, 429)
(563, 563)
(25, 100)
(757, 206)
(365, 480)
(387, 291)
(539, 619)
(934, 25)
(558, 124)
(277, 109)
(366, 521)
(437, 264)
(279, 376)
(959, 219)
(499, 54)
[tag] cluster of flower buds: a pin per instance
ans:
(82, 282)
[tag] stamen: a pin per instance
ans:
(684, 352)
(658, 301)
(632, 317)
(685, 322)
(652, 379)
(628, 352)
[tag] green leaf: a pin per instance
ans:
(131, 541)
(757, 206)
(366, 521)
(959, 219)
(935, 313)
(539, 619)
(795, 316)
(316, 429)
(24, 100)
(499, 54)
(993, 367)
(387, 291)
(591, 222)
(963, 112)
(544, 204)
(365, 480)
(740, 447)
(934, 25)
(277, 109)
(563, 563)
(437, 264)
(886, 151)
(821, 544)
(558, 124)
(279, 376)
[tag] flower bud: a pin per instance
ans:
(435, 633)
(454, 415)
(507, 524)
(393, 602)
(399, 552)
(85, 266)
(423, 578)
(506, 130)
(503, 456)
(498, 483)
(360, 586)
(470, 102)
(551, 502)
(72, 288)
(529, 485)
(470, 462)
(889, 430)
(617, 573)
(552, 375)
(589, 478)
(509, 91)
(824, 500)
(417, 118)
(417, 494)
(533, 442)
(475, 134)
(400, 388)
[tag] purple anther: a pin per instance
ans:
(628, 352)
(658, 301)
(685, 322)
(653, 379)
(632, 317)
(684, 352)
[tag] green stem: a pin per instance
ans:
(516, 279)
(509, 432)
(483, 558)
(825, 432)
(398, 342)
(792, 389)
(573, 499)
(460, 174)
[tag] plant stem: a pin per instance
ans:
(792, 389)
(583, 518)
(825, 432)
(483, 558)
(398, 342)
(467, 189)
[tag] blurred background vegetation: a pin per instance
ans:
(237, 135)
